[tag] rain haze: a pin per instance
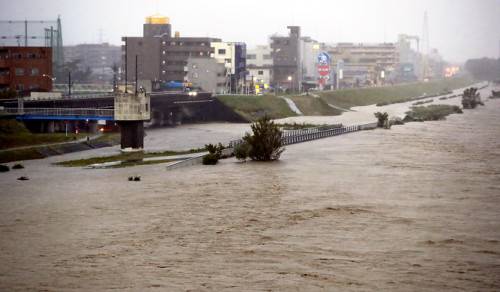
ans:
(458, 29)
(263, 145)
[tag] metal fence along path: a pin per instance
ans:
(304, 135)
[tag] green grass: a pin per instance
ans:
(111, 138)
(348, 98)
(253, 107)
(14, 134)
(134, 158)
(311, 106)
(433, 112)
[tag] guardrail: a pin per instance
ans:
(58, 112)
(304, 135)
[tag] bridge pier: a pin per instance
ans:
(92, 127)
(132, 134)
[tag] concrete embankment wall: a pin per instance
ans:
(37, 152)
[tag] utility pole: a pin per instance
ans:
(126, 57)
(69, 83)
(135, 74)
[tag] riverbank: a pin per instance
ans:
(46, 150)
(413, 208)
(332, 103)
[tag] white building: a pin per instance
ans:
(260, 64)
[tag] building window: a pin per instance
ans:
(260, 72)
(19, 71)
(31, 56)
(251, 56)
(228, 61)
(19, 87)
(202, 44)
(34, 72)
(267, 57)
(222, 51)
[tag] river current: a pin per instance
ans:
(413, 208)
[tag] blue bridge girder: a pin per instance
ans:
(74, 114)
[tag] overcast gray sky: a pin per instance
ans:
(459, 29)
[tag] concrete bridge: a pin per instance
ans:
(167, 109)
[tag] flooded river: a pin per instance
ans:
(414, 208)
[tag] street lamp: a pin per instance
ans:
(48, 76)
(290, 79)
(51, 78)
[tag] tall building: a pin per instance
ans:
(309, 49)
(287, 59)
(233, 56)
(25, 69)
(260, 65)
(161, 56)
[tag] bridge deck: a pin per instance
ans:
(59, 113)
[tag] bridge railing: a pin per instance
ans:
(58, 112)
(304, 135)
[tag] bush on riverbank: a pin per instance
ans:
(214, 154)
(471, 98)
(241, 151)
(382, 120)
(4, 168)
(265, 143)
(433, 112)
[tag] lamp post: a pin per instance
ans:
(290, 79)
(51, 78)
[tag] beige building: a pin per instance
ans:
(360, 64)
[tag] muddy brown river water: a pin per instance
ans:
(414, 208)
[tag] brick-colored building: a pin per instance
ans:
(25, 69)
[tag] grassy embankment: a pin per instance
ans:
(348, 98)
(253, 107)
(128, 159)
(14, 134)
(311, 106)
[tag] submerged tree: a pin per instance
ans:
(265, 144)
(383, 120)
(471, 98)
